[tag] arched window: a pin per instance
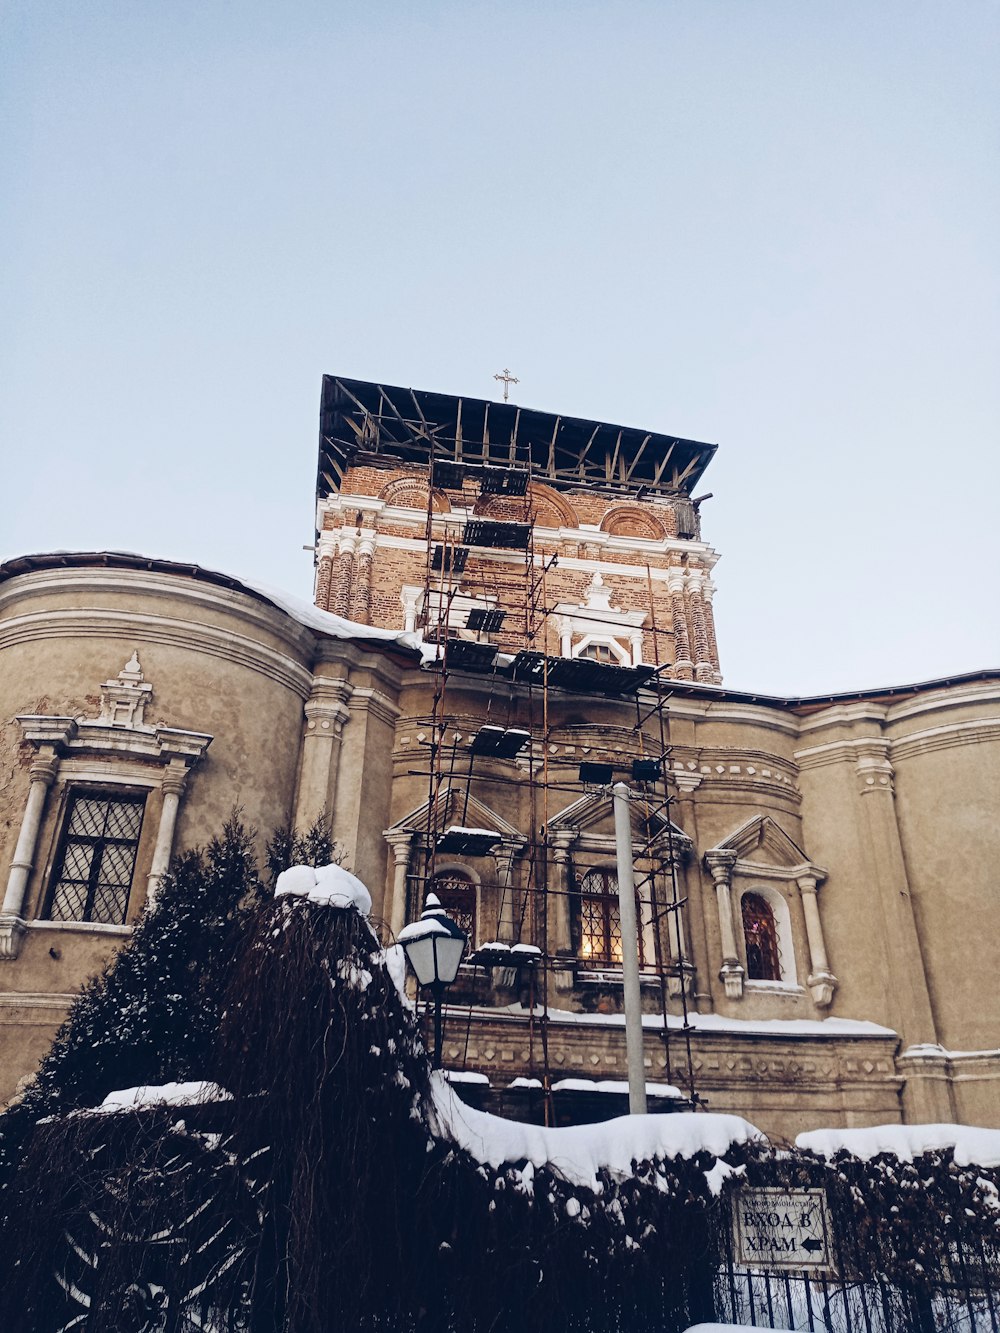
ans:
(600, 919)
(599, 652)
(457, 894)
(761, 935)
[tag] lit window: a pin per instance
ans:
(96, 859)
(761, 935)
(600, 920)
(457, 895)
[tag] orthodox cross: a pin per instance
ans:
(508, 380)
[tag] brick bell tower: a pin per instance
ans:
(500, 528)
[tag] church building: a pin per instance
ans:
(513, 612)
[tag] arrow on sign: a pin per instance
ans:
(812, 1245)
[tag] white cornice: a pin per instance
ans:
(954, 696)
(719, 710)
(852, 749)
(193, 636)
(838, 715)
(974, 732)
(234, 602)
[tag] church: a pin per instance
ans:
(512, 613)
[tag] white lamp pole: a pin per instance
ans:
(630, 952)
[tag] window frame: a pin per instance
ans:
(787, 978)
(124, 795)
(610, 908)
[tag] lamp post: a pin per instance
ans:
(434, 946)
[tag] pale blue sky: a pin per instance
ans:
(770, 225)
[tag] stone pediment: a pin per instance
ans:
(593, 814)
(763, 844)
(455, 806)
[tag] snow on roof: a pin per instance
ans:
(327, 886)
(325, 622)
(578, 1153)
(613, 1085)
(311, 617)
(970, 1144)
(784, 1027)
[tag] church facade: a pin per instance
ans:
(513, 612)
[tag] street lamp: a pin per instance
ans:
(434, 946)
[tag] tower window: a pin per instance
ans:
(96, 859)
(761, 935)
(599, 652)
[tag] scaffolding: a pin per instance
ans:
(486, 613)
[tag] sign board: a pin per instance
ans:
(785, 1229)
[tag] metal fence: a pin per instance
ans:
(958, 1291)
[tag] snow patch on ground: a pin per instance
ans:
(578, 1152)
(328, 886)
(970, 1144)
(735, 1328)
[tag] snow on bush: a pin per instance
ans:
(582, 1154)
(968, 1144)
(327, 886)
(164, 1094)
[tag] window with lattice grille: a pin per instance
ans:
(761, 935)
(600, 919)
(457, 895)
(96, 860)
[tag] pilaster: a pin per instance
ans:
(720, 864)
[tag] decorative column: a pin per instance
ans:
(914, 1019)
(707, 593)
(687, 783)
(683, 667)
(172, 786)
(361, 602)
(635, 642)
(507, 921)
(703, 666)
(401, 842)
(410, 597)
(681, 975)
(560, 934)
(822, 983)
(41, 776)
(926, 1096)
(326, 553)
(325, 714)
(342, 577)
(720, 865)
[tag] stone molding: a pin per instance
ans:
(975, 732)
(117, 732)
(190, 635)
(375, 704)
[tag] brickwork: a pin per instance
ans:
(374, 547)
